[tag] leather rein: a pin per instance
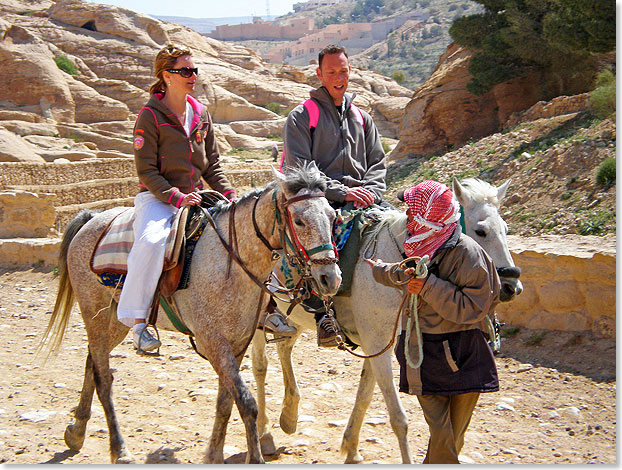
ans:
(300, 255)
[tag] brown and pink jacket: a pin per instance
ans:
(171, 163)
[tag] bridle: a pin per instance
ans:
(290, 243)
(295, 252)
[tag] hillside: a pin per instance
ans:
(413, 49)
(553, 164)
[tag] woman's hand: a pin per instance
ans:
(191, 199)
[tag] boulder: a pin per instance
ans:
(444, 114)
(40, 84)
(241, 141)
(259, 128)
(14, 148)
(25, 214)
(225, 106)
(22, 127)
(569, 284)
(93, 107)
(114, 21)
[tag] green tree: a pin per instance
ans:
(558, 39)
(399, 76)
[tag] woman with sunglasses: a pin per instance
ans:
(174, 148)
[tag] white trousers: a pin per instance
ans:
(152, 225)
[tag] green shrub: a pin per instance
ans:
(603, 97)
(275, 107)
(66, 65)
(535, 338)
(399, 76)
(595, 223)
(606, 173)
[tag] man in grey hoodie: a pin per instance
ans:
(344, 143)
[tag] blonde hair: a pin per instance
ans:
(165, 59)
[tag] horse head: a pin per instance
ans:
(480, 203)
(309, 222)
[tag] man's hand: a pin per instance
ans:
(191, 199)
(360, 196)
(415, 284)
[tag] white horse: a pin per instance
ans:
(371, 323)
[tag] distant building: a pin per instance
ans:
(355, 37)
(264, 30)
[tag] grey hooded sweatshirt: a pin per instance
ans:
(347, 153)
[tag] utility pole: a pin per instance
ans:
(267, 10)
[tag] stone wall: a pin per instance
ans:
(569, 284)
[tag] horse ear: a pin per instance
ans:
(463, 197)
(501, 190)
(280, 179)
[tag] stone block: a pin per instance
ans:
(26, 214)
(561, 296)
(27, 251)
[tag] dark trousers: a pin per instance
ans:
(448, 418)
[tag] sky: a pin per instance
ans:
(204, 8)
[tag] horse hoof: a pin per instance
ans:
(73, 440)
(125, 457)
(288, 423)
(356, 458)
(267, 444)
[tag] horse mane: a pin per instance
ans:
(393, 220)
(303, 176)
(481, 191)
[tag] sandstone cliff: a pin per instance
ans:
(443, 114)
(113, 50)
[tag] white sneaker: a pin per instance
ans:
(276, 323)
(143, 340)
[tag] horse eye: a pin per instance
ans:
(298, 221)
(480, 233)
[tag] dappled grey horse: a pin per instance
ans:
(220, 304)
(369, 316)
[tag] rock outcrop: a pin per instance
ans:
(569, 284)
(443, 114)
(113, 49)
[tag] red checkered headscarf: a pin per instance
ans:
(435, 212)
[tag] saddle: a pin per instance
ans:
(109, 257)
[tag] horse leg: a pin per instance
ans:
(74, 433)
(364, 395)
(224, 405)
(291, 397)
(260, 369)
(383, 374)
(227, 367)
(104, 334)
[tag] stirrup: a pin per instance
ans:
(142, 352)
(277, 336)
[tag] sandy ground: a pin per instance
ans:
(557, 402)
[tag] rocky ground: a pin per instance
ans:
(557, 402)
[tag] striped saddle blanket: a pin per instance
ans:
(111, 252)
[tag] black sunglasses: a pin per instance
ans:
(185, 72)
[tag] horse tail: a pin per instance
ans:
(55, 331)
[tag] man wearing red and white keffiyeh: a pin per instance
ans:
(451, 363)
(433, 212)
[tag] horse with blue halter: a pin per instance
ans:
(220, 306)
(370, 319)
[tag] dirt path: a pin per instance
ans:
(557, 402)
